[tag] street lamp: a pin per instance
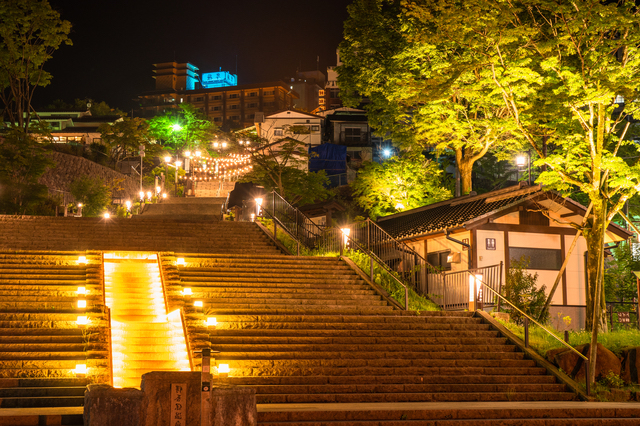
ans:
(178, 163)
(521, 161)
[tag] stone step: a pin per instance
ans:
(405, 388)
(284, 336)
(437, 414)
(42, 401)
(242, 361)
(414, 397)
(391, 379)
(248, 370)
(30, 392)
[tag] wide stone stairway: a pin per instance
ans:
(40, 340)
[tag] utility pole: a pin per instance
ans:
(141, 152)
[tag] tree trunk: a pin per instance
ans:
(594, 237)
(465, 167)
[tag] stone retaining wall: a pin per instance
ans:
(69, 167)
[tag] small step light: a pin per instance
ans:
(80, 370)
(82, 260)
(81, 291)
(82, 304)
(82, 321)
(198, 303)
(211, 322)
(180, 261)
(187, 291)
(223, 370)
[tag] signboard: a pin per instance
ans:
(178, 404)
(218, 79)
(623, 317)
(466, 241)
(491, 243)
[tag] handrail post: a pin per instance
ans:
(526, 332)
(587, 377)
(406, 298)
(371, 268)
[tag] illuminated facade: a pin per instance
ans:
(233, 107)
(211, 80)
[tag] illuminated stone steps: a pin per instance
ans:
(144, 338)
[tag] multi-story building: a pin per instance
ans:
(331, 89)
(229, 107)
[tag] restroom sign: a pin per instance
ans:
(178, 404)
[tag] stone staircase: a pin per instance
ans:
(309, 330)
(144, 337)
(40, 341)
(141, 233)
(207, 208)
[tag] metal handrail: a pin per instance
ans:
(108, 312)
(528, 318)
(186, 339)
(313, 232)
(164, 287)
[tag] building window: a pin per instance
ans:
(544, 259)
(251, 116)
(321, 93)
(268, 93)
(215, 108)
(233, 96)
(278, 132)
(216, 97)
(321, 101)
(439, 260)
(252, 105)
(234, 106)
(199, 99)
(234, 118)
(269, 104)
(253, 94)
(352, 134)
(216, 118)
(315, 128)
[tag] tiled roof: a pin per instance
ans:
(453, 213)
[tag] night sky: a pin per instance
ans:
(116, 42)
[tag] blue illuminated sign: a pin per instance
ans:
(218, 79)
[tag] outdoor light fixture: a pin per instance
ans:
(82, 304)
(164, 195)
(211, 322)
(80, 205)
(80, 370)
(158, 189)
(176, 127)
(128, 204)
(198, 154)
(149, 195)
(167, 159)
(81, 291)
(253, 217)
(82, 260)
(345, 235)
(521, 160)
(141, 193)
(223, 370)
(399, 206)
(187, 153)
(258, 206)
(180, 261)
(215, 144)
(107, 215)
(224, 144)
(387, 153)
(475, 282)
(178, 164)
(82, 321)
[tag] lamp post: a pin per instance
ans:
(521, 161)
(178, 163)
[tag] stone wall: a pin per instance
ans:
(69, 167)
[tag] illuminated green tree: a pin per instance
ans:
(124, 137)
(400, 183)
(422, 91)
(183, 128)
(30, 31)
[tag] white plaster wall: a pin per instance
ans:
(512, 218)
(543, 241)
(575, 272)
(490, 257)
(441, 244)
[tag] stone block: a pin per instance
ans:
(630, 365)
(156, 386)
(573, 365)
(233, 406)
(106, 406)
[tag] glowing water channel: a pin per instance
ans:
(143, 336)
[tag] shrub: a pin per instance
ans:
(521, 290)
